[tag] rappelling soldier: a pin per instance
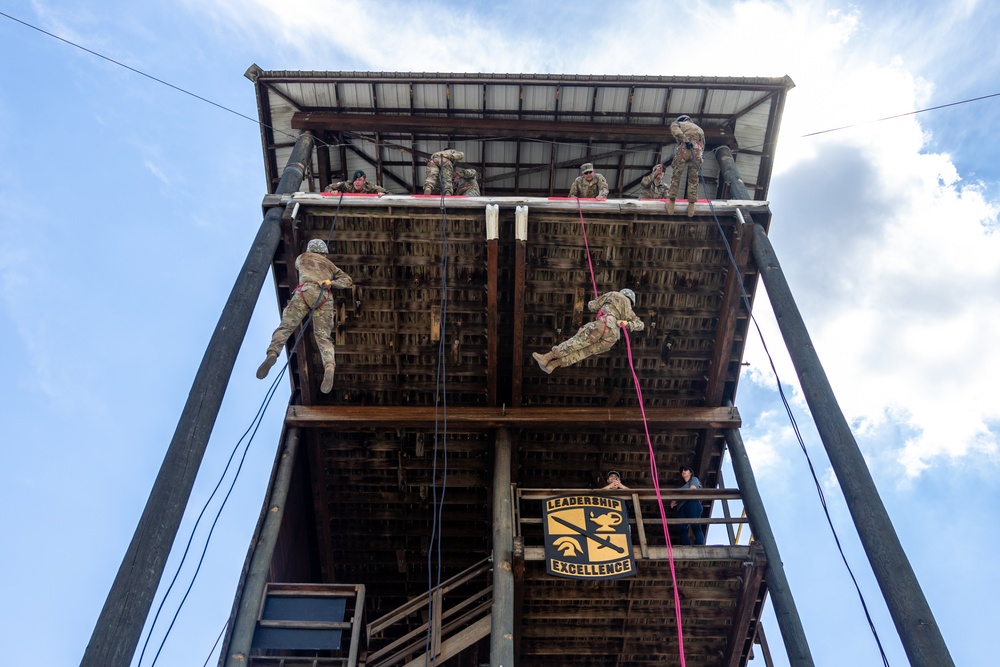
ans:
(441, 165)
(614, 312)
(317, 277)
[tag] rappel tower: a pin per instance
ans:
(441, 505)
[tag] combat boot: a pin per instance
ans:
(265, 367)
(670, 206)
(690, 208)
(327, 385)
(543, 361)
(428, 190)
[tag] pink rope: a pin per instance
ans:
(652, 456)
(583, 226)
(659, 499)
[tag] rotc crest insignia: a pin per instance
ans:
(587, 537)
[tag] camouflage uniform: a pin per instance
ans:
(442, 162)
(651, 189)
(466, 183)
(684, 132)
(584, 189)
(600, 335)
(347, 187)
(312, 269)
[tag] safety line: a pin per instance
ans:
(252, 430)
(586, 243)
(440, 431)
(654, 472)
(659, 497)
(334, 223)
(217, 640)
(791, 418)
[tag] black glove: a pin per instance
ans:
(689, 145)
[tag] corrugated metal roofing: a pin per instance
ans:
(740, 112)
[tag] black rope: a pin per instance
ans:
(158, 80)
(440, 395)
(217, 640)
(791, 418)
(252, 431)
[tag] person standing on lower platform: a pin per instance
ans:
(690, 146)
(317, 277)
(614, 481)
(689, 509)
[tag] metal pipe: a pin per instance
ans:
(919, 632)
(792, 632)
(245, 621)
(502, 629)
(120, 623)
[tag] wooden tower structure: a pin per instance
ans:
(403, 522)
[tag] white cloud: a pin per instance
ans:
(886, 245)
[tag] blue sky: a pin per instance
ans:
(126, 209)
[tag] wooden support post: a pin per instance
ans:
(502, 630)
(520, 273)
(492, 319)
(119, 625)
(237, 647)
(739, 639)
(919, 632)
(794, 636)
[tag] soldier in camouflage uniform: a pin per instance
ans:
(653, 186)
(441, 167)
(690, 146)
(317, 277)
(614, 311)
(466, 183)
(589, 185)
(359, 185)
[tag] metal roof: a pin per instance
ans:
(527, 134)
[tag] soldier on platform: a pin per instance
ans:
(653, 186)
(690, 146)
(359, 185)
(317, 277)
(466, 183)
(441, 170)
(614, 312)
(589, 185)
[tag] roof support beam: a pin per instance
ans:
(921, 635)
(477, 127)
(119, 625)
(502, 634)
(346, 417)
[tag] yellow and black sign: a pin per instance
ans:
(587, 537)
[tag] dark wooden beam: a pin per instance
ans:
(502, 634)
(732, 295)
(119, 625)
(747, 607)
(365, 417)
(596, 131)
(520, 271)
(492, 320)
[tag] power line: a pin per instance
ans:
(902, 115)
(149, 76)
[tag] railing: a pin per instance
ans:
(303, 625)
(644, 512)
(459, 616)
